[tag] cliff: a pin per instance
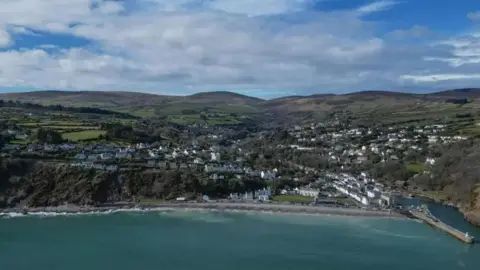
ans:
(472, 212)
(36, 184)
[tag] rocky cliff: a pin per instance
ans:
(35, 184)
(472, 212)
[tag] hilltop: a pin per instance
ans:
(365, 105)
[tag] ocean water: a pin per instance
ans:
(227, 241)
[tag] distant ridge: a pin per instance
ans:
(224, 101)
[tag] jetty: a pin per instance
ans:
(426, 216)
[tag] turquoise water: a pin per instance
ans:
(224, 241)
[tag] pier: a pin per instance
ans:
(424, 214)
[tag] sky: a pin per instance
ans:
(263, 48)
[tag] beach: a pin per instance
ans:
(204, 206)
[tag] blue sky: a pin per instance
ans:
(264, 48)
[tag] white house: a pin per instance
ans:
(215, 156)
(198, 161)
(430, 161)
(267, 175)
(309, 192)
(106, 156)
(373, 194)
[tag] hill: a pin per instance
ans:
(388, 106)
(88, 98)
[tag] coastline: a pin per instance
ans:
(192, 206)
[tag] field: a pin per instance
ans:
(292, 198)
(190, 119)
(53, 123)
(83, 135)
(415, 167)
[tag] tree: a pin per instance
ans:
(50, 136)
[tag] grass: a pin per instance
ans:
(415, 167)
(71, 127)
(22, 142)
(196, 119)
(52, 124)
(145, 112)
(83, 135)
(438, 196)
(292, 198)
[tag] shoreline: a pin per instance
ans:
(189, 206)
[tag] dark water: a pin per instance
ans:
(212, 240)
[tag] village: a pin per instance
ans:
(333, 172)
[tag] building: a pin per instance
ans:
(215, 157)
(309, 192)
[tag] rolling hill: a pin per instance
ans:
(367, 105)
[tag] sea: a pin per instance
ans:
(212, 240)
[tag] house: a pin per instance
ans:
(198, 160)
(32, 148)
(162, 164)
(183, 166)
(152, 163)
(92, 157)
(98, 166)
(123, 155)
(8, 147)
(430, 161)
(373, 194)
(87, 165)
(173, 165)
(81, 156)
(267, 175)
(21, 136)
(215, 156)
(309, 192)
(152, 154)
(106, 156)
(67, 147)
(111, 168)
(49, 148)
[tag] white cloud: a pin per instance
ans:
(5, 39)
(474, 16)
(440, 77)
(243, 7)
(377, 6)
(191, 45)
(415, 32)
(256, 7)
(110, 7)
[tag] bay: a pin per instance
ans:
(219, 240)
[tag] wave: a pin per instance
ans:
(81, 213)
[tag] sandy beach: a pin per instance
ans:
(215, 206)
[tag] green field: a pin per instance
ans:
(292, 198)
(83, 135)
(189, 119)
(71, 127)
(415, 167)
(23, 142)
(52, 123)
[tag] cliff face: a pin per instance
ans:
(472, 212)
(36, 184)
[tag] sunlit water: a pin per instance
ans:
(214, 240)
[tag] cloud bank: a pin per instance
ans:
(268, 47)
